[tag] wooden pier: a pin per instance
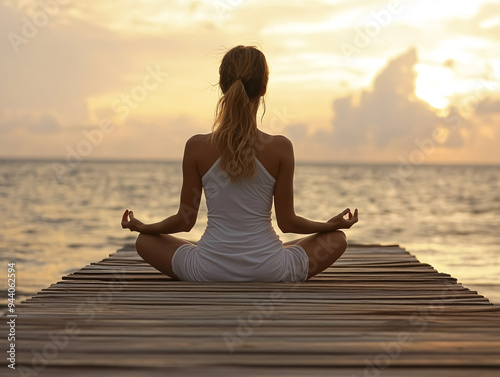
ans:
(378, 311)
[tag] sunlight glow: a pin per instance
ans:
(418, 12)
(490, 23)
(435, 85)
(336, 22)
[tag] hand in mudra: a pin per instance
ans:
(341, 222)
(133, 224)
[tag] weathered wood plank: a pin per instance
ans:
(253, 371)
(345, 320)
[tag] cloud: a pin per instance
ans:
(487, 106)
(388, 114)
(296, 132)
(72, 60)
(389, 120)
(59, 66)
(44, 123)
(484, 23)
(32, 122)
(153, 137)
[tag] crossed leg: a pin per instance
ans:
(158, 250)
(323, 249)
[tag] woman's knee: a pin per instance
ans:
(336, 241)
(342, 239)
(141, 242)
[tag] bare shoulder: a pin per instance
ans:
(284, 142)
(281, 145)
(276, 142)
(274, 152)
(196, 141)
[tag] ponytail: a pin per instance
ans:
(243, 76)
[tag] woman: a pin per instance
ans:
(240, 169)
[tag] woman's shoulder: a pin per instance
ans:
(276, 140)
(276, 145)
(198, 142)
(273, 144)
(198, 138)
(263, 139)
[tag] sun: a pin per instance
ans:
(435, 85)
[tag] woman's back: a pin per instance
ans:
(241, 207)
(239, 243)
(266, 151)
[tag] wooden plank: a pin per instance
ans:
(130, 316)
(253, 371)
(151, 358)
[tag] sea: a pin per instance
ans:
(58, 217)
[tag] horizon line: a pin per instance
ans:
(303, 162)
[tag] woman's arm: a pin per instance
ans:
(172, 224)
(185, 218)
(287, 220)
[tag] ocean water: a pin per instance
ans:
(448, 216)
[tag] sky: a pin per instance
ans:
(413, 82)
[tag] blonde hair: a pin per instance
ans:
(243, 80)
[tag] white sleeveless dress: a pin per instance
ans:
(239, 243)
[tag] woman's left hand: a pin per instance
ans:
(133, 224)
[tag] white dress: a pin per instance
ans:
(239, 243)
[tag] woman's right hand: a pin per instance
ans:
(341, 222)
